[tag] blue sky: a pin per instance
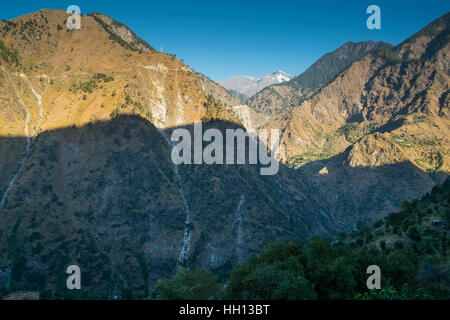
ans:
(227, 38)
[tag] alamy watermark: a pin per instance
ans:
(374, 21)
(74, 20)
(235, 147)
(374, 281)
(74, 280)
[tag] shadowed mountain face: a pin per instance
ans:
(86, 175)
(108, 198)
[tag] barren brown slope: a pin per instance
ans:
(65, 78)
(68, 68)
(380, 91)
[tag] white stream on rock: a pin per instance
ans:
(187, 232)
(23, 159)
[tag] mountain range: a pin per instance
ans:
(86, 175)
(249, 86)
(274, 99)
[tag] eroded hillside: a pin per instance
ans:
(380, 131)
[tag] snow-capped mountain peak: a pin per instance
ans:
(281, 76)
(249, 85)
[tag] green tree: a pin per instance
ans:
(189, 285)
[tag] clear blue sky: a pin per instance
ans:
(227, 37)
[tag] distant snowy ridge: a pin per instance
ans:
(249, 86)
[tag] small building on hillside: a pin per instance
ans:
(437, 224)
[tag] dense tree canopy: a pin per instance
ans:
(409, 246)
